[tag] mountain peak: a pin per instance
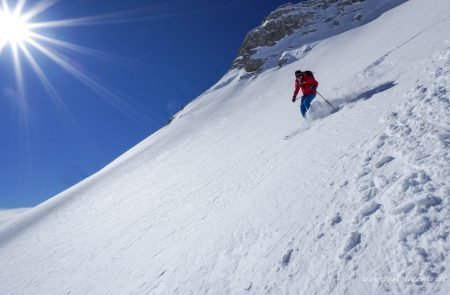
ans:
(295, 25)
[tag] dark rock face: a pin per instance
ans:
(275, 27)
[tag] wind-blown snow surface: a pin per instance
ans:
(239, 195)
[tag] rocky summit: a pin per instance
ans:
(302, 21)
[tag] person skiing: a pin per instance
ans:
(306, 81)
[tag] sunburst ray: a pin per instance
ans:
(105, 92)
(39, 8)
(82, 49)
(19, 7)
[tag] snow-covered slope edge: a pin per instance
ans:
(7, 215)
(238, 195)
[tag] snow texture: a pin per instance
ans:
(7, 215)
(243, 196)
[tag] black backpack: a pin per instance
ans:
(308, 73)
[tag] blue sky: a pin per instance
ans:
(169, 54)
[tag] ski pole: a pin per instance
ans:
(327, 101)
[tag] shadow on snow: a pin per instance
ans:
(320, 108)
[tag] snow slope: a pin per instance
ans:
(7, 215)
(239, 195)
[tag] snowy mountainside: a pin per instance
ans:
(239, 195)
(7, 215)
(298, 26)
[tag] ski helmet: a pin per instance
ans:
(298, 73)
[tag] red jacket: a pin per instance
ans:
(307, 83)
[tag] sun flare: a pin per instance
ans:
(14, 29)
(27, 38)
(28, 42)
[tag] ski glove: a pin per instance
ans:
(293, 99)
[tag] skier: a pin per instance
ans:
(305, 80)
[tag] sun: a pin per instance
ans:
(28, 42)
(25, 42)
(14, 29)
